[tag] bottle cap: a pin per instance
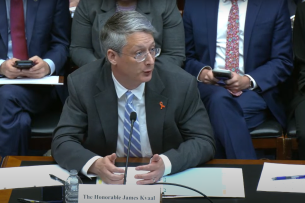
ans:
(73, 172)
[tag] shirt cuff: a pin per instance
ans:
(51, 65)
(254, 83)
(1, 61)
(167, 164)
(88, 165)
(205, 67)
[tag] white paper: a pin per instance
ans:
(213, 182)
(47, 80)
(271, 170)
(119, 193)
(31, 176)
(130, 180)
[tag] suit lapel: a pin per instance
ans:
(211, 16)
(107, 106)
(252, 11)
(32, 7)
(143, 7)
(3, 23)
(108, 8)
(154, 114)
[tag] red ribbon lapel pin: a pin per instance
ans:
(161, 105)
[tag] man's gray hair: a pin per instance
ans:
(119, 26)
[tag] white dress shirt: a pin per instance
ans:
(10, 47)
(139, 105)
(221, 39)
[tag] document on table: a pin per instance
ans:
(130, 180)
(271, 170)
(31, 176)
(47, 80)
(213, 182)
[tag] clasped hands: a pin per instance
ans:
(110, 174)
(236, 84)
(39, 70)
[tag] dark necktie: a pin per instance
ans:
(18, 30)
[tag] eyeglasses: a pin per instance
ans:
(141, 56)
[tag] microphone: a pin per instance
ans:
(133, 118)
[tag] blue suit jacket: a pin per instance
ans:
(267, 44)
(47, 31)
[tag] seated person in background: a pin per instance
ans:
(94, 126)
(39, 33)
(252, 39)
(298, 104)
(90, 17)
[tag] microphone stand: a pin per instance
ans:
(133, 117)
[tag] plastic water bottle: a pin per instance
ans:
(71, 187)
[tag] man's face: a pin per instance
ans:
(127, 70)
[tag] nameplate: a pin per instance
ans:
(119, 193)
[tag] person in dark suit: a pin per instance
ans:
(37, 31)
(172, 120)
(257, 51)
(90, 17)
(298, 104)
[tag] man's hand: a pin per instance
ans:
(237, 83)
(39, 70)
(7, 68)
(207, 77)
(73, 3)
(156, 168)
(105, 169)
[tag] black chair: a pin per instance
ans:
(269, 135)
(291, 139)
(42, 128)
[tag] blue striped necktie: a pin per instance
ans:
(135, 146)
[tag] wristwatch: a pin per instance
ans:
(251, 84)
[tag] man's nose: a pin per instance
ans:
(150, 59)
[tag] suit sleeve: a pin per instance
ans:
(279, 66)
(59, 36)
(173, 35)
(299, 45)
(192, 63)
(67, 149)
(196, 130)
(81, 49)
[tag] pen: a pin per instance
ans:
(289, 177)
(56, 178)
(30, 201)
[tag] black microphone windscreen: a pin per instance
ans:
(133, 116)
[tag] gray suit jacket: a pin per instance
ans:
(91, 16)
(89, 122)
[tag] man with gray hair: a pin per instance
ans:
(172, 125)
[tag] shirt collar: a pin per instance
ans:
(121, 90)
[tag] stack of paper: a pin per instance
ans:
(31, 176)
(47, 80)
(213, 182)
(271, 170)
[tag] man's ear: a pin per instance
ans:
(112, 56)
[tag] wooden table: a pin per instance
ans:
(15, 161)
